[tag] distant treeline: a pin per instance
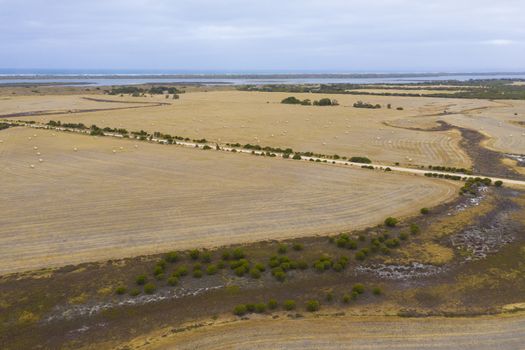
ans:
(4, 126)
(479, 89)
(155, 90)
(322, 102)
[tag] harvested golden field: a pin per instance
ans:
(59, 104)
(111, 199)
(260, 118)
(347, 332)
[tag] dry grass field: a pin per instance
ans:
(109, 199)
(63, 103)
(260, 118)
(347, 332)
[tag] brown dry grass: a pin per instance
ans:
(260, 118)
(95, 204)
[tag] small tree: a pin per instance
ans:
(424, 211)
(498, 183)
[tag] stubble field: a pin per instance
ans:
(110, 199)
(260, 118)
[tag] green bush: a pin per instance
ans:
(172, 257)
(149, 288)
(289, 305)
(377, 291)
(211, 269)
(313, 305)
(424, 211)
(194, 254)
(302, 265)
(250, 307)
(346, 298)
(283, 248)
(237, 253)
(158, 270)
(297, 247)
(291, 101)
(226, 255)
(240, 310)
(120, 290)
(498, 183)
(391, 222)
(181, 271)
(414, 229)
(297, 156)
(392, 243)
(358, 288)
(272, 304)
(241, 270)
(255, 273)
(197, 274)
(260, 308)
(173, 281)
(197, 266)
(260, 267)
(206, 257)
(141, 279)
(159, 277)
(134, 292)
(403, 236)
(329, 296)
(360, 256)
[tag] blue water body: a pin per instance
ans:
(131, 77)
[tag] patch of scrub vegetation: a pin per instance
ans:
(322, 102)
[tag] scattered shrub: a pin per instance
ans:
(424, 211)
(255, 273)
(297, 247)
(272, 304)
(173, 281)
(313, 305)
(289, 305)
(134, 292)
(172, 257)
(206, 257)
(403, 236)
(377, 291)
(197, 274)
(141, 279)
(346, 298)
(149, 288)
(120, 290)
(414, 229)
(283, 248)
(240, 310)
(211, 269)
(360, 256)
(358, 288)
(181, 271)
(260, 308)
(498, 183)
(329, 296)
(392, 243)
(237, 253)
(391, 222)
(194, 254)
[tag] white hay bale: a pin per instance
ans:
(35, 148)
(121, 147)
(136, 146)
(40, 160)
(29, 138)
(32, 166)
(114, 151)
(75, 149)
(37, 153)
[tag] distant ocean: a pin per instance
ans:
(128, 77)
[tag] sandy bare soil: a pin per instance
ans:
(104, 201)
(260, 118)
(378, 333)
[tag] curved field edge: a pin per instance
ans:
(109, 199)
(345, 332)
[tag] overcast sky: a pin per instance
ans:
(319, 35)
